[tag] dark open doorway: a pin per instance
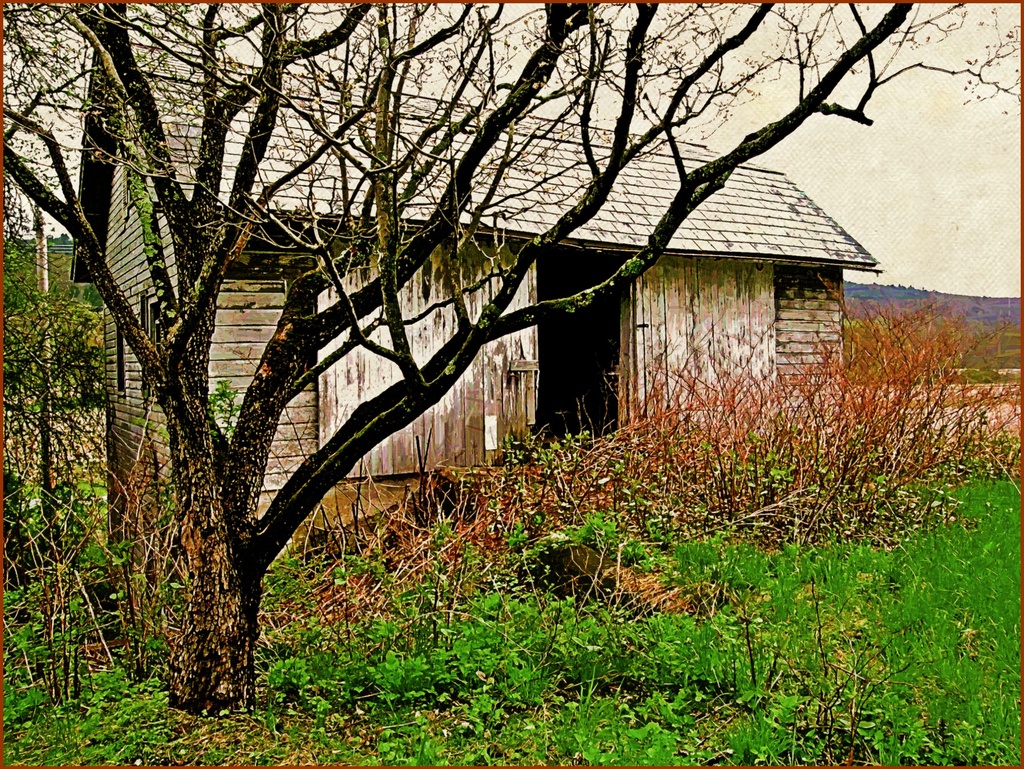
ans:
(578, 353)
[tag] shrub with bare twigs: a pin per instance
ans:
(859, 446)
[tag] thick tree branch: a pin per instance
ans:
(109, 39)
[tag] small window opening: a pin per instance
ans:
(119, 359)
(149, 312)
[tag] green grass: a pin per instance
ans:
(809, 655)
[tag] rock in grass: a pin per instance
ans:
(557, 564)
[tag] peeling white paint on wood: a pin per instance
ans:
(494, 390)
(698, 316)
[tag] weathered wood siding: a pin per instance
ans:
(694, 318)
(247, 314)
(246, 317)
(809, 318)
(495, 397)
(701, 316)
(137, 440)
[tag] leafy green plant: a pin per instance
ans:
(805, 654)
(225, 404)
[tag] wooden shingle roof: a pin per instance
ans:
(759, 214)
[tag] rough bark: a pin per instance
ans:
(212, 663)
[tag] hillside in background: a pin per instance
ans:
(992, 311)
(997, 319)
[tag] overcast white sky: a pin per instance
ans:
(931, 190)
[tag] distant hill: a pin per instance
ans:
(992, 311)
(998, 316)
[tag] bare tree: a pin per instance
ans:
(230, 123)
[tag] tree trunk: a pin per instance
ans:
(212, 657)
(212, 662)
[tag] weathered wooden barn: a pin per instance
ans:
(752, 280)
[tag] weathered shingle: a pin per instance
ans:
(758, 214)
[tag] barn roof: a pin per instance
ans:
(759, 214)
